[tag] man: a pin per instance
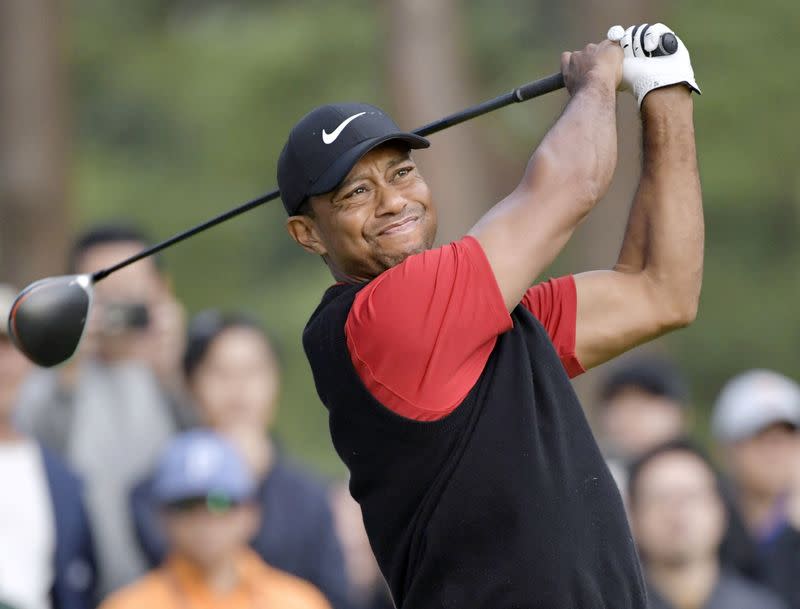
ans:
(756, 421)
(233, 374)
(678, 519)
(446, 375)
(46, 553)
(205, 493)
(643, 404)
(110, 410)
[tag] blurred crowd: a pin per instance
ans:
(144, 473)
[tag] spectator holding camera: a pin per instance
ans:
(678, 519)
(46, 553)
(233, 373)
(205, 495)
(111, 409)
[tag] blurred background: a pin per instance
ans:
(166, 112)
(148, 117)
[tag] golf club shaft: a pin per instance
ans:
(520, 94)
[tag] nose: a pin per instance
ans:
(391, 202)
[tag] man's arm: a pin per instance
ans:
(655, 285)
(567, 174)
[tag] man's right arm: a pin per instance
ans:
(567, 174)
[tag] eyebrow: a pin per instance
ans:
(398, 160)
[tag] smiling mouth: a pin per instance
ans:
(402, 226)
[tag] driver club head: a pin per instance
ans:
(48, 318)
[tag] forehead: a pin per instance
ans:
(137, 281)
(240, 343)
(102, 255)
(675, 469)
(379, 156)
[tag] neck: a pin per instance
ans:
(264, 459)
(757, 509)
(221, 577)
(255, 446)
(687, 585)
(7, 432)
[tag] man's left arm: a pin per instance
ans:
(655, 285)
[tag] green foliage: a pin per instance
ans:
(181, 108)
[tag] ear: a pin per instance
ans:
(304, 231)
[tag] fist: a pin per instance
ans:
(598, 62)
(652, 60)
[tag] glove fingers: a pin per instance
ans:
(627, 42)
(615, 33)
(651, 36)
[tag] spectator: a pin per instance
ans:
(205, 493)
(368, 589)
(110, 411)
(678, 520)
(46, 557)
(755, 421)
(233, 373)
(643, 404)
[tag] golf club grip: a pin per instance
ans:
(551, 83)
(523, 93)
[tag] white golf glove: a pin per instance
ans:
(645, 66)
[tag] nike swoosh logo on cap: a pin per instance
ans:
(330, 138)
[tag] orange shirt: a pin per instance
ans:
(179, 585)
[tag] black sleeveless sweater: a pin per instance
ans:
(504, 503)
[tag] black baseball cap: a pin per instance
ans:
(327, 142)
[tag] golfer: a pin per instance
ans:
(446, 375)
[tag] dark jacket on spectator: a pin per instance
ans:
(730, 592)
(774, 562)
(781, 561)
(296, 532)
(74, 567)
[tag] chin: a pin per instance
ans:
(393, 256)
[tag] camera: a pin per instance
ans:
(121, 317)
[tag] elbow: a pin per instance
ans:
(680, 313)
(550, 172)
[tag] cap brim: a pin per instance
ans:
(337, 172)
(743, 430)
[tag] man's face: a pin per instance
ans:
(635, 421)
(237, 383)
(763, 463)
(677, 514)
(139, 284)
(13, 369)
(379, 215)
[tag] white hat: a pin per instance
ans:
(7, 296)
(753, 401)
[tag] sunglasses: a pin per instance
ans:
(216, 503)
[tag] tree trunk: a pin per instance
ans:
(33, 212)
(429, 77)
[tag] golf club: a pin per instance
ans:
(48, 318)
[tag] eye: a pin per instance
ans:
(360, 190)
(404, 171)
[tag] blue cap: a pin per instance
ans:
(200, 463)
